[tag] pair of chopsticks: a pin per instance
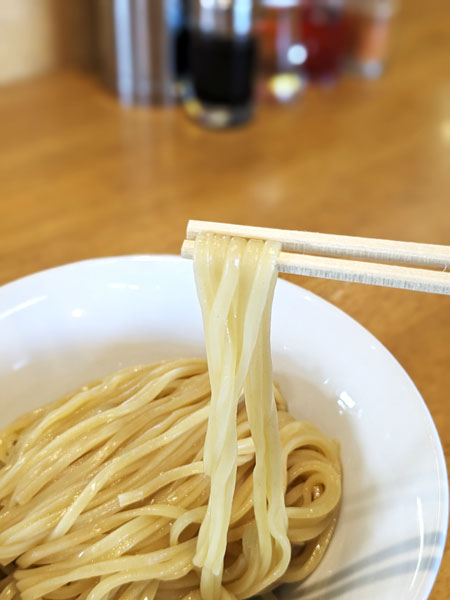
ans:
(307, 253)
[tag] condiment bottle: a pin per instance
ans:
(324, 35)
(222, 62)
(369, 26)
(281, 51)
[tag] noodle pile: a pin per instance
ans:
(175, 480)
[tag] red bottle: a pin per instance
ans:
(324, 34)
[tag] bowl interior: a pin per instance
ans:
(62, 328)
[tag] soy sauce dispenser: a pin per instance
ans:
(222, 62)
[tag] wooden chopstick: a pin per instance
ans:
(334, 245)
(295, 259)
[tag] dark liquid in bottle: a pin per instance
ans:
(181, 52)
(222, 69)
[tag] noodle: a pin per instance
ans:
(175, 480)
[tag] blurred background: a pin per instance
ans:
(343, 107)
(40, 35)
(130, 107)
(277, 45)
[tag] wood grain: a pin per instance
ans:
(82, 177)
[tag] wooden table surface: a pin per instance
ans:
(82, 177)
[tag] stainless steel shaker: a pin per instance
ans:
(142, 48)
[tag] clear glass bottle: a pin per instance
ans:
(222, 62)
(369, 23)
(281, 51)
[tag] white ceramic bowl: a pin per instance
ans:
(63, 327)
